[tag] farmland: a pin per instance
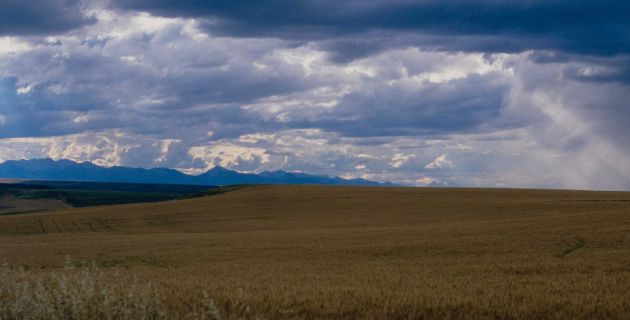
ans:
(325, 252)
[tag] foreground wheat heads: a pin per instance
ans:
(325, 253)
(88, 293)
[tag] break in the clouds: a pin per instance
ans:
(460, 93)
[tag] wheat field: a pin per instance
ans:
(310, 252)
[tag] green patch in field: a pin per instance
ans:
(88, 198)
(579, 244)
(39, 194)
(86, 194)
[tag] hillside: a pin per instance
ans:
(351, 252)
(34, 196)
(66, 170)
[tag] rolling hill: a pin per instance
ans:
(322, 252)
(36, 195)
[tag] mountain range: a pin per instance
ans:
(67, 170)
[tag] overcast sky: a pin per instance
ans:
(496, 93)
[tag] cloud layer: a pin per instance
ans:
(479, 25)
(45, 17)
(484, 93)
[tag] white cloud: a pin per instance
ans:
(256, 138)
(131, 59)
(24, 90)
(13, 45)
(107, 148)
(97, 148)
(439, 163)
(399, 159)
(229, 155)
(424, 181)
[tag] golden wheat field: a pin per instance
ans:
(307, 252)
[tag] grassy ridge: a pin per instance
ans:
(343, 252)
(45, 195)
(89, 198)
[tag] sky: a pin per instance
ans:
(483, 93)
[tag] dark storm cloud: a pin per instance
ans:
(43, 17)
(70, 86)
(589, 26)
(463, 105)
(616, 69)
(31, 115)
